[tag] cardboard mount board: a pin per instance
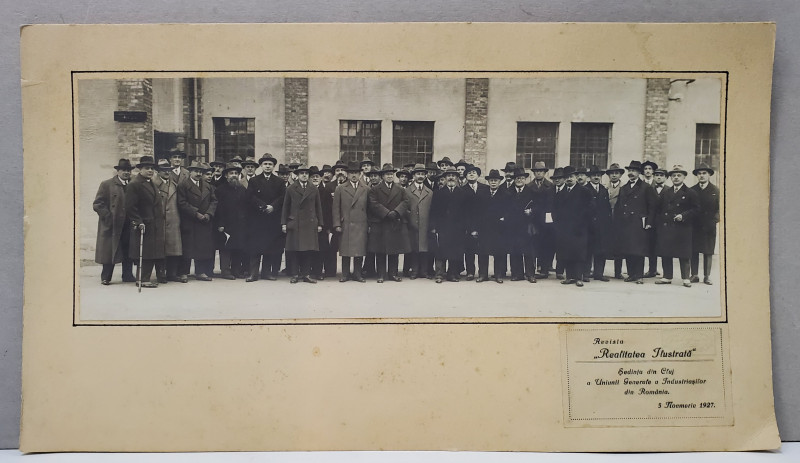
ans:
(108, 373)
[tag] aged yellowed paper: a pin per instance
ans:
(269, 365)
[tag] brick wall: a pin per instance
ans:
(655, 121)
(187, 102)
(135, 139)
(476, 117)
(296, 106)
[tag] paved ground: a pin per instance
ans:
(417, 299)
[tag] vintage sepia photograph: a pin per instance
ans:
(382, 197)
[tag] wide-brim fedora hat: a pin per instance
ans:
(539, 166)
(614, 167)
(146, 161)
(366, 161)
(445, 160)
(569, 170)
(471, 167)
(520, 172)
(420, 168)
(353, 166)
(267, 157)
(595, 169)
(163, 164)
(703, 166)
(649, 163)
(217, 163)
(231, 167)
(387, 168)
(677, 168)
(510, 166)
(637, 165)
(301, 168)
(494, 174)
(558, 172)
(125, 164)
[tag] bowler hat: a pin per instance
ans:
(677, 168)
(462, 162)
(341, 165)
(614, 167)
(146, 161)
(124, 164)
(314, 170)
(510, 166)
(520, 172)
(446, 161)
(471, 167)
(582, 170)
(703, 166)
(353, 166)
(649, 163)
(448, 171)
(635, 165)
(558, 173)
(494, 174)
(267, 157)
(367, 161)
(569, 170)
(539, 166)
(282, 169)
(176, 152)
(432, 166)
(405, 172)
(326, 168)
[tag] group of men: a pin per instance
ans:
(442, 218)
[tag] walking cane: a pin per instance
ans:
(139, 269)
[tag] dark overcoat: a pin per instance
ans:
(144, 204)
(636, 208)
(448, 219)
(197, 237)
(109, 203)
(302, 214)
(264, 235)
(572, 210)
(326, 197)
(231, 214)
(674, 239)
(520, 228)
(542, 195)
(600, 232)
(476, 201)
(180, 177)
(350, 213)
(388, 235)
(491, 223)
(419, 210)
(172, 219)
(704, 237)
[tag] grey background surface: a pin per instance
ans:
(785, 137)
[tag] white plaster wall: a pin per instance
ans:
(167, 105)
(386, 100)
(566, 100)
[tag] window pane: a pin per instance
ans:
(412, 142)
(233, 137)
(359, 140)
(537, 141)
(707, 145)
(589, 144)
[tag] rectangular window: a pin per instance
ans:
(589, 144)
(234, 136)
(536, 141)
(359, 140)
(412, 142)
(706, 147)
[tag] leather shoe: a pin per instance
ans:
(148, 284)
(707, 281)
(271, 277)
(470, 277)
(617, 276)
(162, 280)
(395, 278)
(438, 279)
(694, 279)
(480, 280)
(586, 279)
(294, 280)
(567, 282)
(630, 279)
(105, 282)
(542, 276)
(687, 283)
(183, 278)
(531, 279)
(360, 279)
(559, 276)
(203, 277)
(227, 276)
(663, 281)
(344, 278)
(498, 280)
(516, 279)
(650, 274)
(309, 280)
(380, 280)
(603, 278)
(128, 279)
(251, 279)
(639, 282)
(579, 284)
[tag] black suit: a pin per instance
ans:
(448, 221)
(475, 203)
(264, 235)
(572, 215)
(521, 229)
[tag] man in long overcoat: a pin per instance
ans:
(197, 204)
(349, 217)
(145, 209)
(327, 188)
(571, 215)
(265, 194)
(614, 173)
(113, 237)
(600, 228)
(543, 191)
(301, 220)
(633, 217)
(523, 207)
(231, 221)
(388, 223)
(176, 159)
(419, 206)
(678, 205)
(490, 226)
(173, 248)
(448, 226)
(704, 237)
(477, 196)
